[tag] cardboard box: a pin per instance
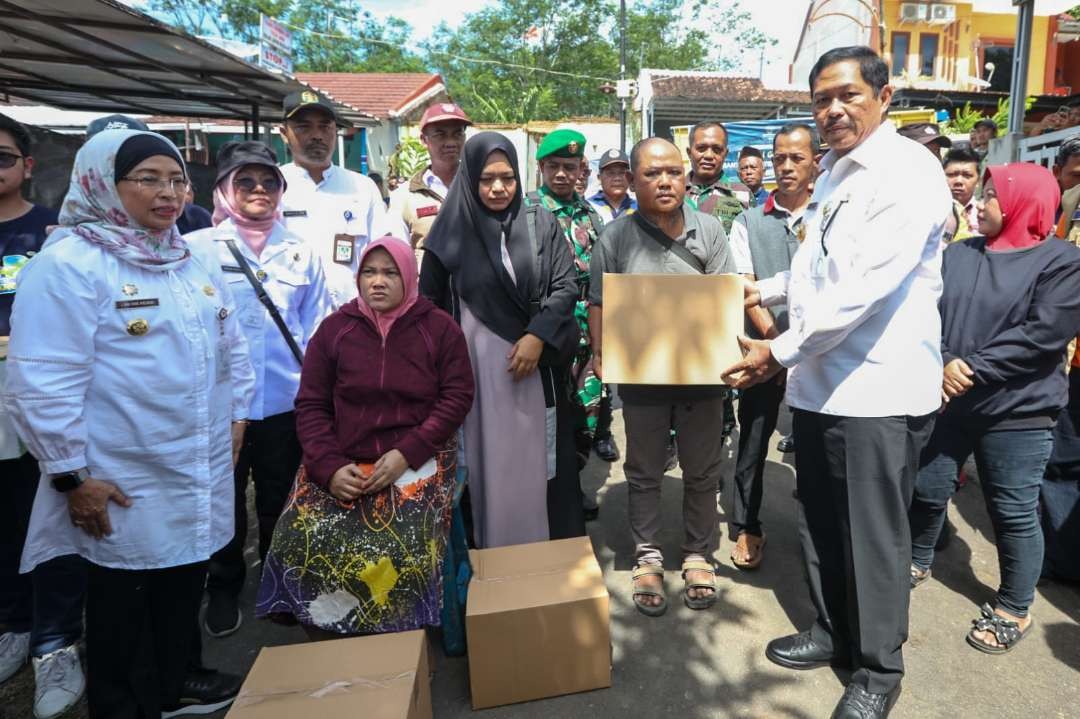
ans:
(384, 676)
(671, 329)
(537, 622)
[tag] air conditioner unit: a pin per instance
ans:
(913, 12)
(942, 14)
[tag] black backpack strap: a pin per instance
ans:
(260, 293)
(679, 250)
(534, 252)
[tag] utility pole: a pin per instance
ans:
(622, 74)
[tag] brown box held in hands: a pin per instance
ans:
(384, 676)
(537, 622)
(671, 329)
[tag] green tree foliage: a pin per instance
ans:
(336, 35)
(965, 118)
(1075, 12)
(578, 42)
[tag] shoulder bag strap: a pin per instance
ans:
(678, 249)
(260, 293)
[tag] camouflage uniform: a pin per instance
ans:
(718, 199)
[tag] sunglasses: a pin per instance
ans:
(7, 160)
(246, 184)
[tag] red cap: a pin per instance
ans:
(442, 111)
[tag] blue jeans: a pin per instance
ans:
(48, 602)
(1011, 465)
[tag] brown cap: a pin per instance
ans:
(441, 112)
(924, 133)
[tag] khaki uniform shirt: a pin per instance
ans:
(418, 204)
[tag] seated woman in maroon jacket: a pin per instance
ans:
(386, 384)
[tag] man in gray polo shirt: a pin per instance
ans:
(763, 240)
(665, 236)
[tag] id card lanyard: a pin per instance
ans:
(828, 216)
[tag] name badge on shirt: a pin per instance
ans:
(294, 213)
(133, 304)
(428, 211)
(344, 246)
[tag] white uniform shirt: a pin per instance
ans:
(344, 204)
(135, 375)
(862, 293)
(294, 280)
(740, 238)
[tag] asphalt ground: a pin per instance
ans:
(711, 664)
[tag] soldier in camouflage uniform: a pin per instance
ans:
(708, 192)
(560, 156)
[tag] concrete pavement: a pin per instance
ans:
(711, 664)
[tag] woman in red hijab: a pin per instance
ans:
(1010, 305)
(385, 385)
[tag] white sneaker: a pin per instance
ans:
(59, 682)
(14, 652)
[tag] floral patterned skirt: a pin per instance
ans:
(363, 567)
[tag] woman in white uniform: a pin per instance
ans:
(127, 376)
(255, 251)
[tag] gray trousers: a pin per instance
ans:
(697, 428)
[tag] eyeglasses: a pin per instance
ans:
(179, 185)
(7, 160)
(246, 184)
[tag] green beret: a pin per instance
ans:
(562, 143)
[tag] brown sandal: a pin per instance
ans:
(644, 570)
(750, 546)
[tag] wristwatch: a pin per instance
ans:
(67, 481)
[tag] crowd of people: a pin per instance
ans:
(380, 373)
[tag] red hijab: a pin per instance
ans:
(405, 259)
(1028, 195)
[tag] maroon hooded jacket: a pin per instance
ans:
(360, 397)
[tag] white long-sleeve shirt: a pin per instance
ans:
(137, 376)
(865, 333)
(344, 203)
(294, 280)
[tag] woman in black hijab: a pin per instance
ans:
(505, 273)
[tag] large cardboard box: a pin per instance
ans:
(537, 622)
(384, 676)
(671, 329)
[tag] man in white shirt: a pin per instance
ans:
(864, 374)
(442, 130)
(336, 211)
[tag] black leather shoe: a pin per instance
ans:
(223, 615)
(798, 651)
(857, 703)
(786, 444)
(606, 449)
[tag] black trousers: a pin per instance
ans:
(603, 420)
(855, 478)
(271, 454)
(138, 635)
(759, 407)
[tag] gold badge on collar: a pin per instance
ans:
(137, 328)
(129, 289)
(208, 290)
(800, 231)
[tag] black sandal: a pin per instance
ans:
(1006, 631)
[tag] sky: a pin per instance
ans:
(425, 15)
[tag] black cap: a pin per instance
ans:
(924, 133)
(297, 101)
(115, 122)
(613, 156)
(233, 155)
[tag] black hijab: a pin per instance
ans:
(466, 238)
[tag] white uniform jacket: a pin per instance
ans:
(136, 375)
(337, 217)
(294, 280)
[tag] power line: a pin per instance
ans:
(460, 58)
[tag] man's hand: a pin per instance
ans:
(388, 470)
(347, 483)
(751, 294)
(88, 506)
(237, 430)
(524, 356)
(757, 365)
(957, 379)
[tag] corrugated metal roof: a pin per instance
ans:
(103, 56)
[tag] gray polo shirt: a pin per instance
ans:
(627, 246)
